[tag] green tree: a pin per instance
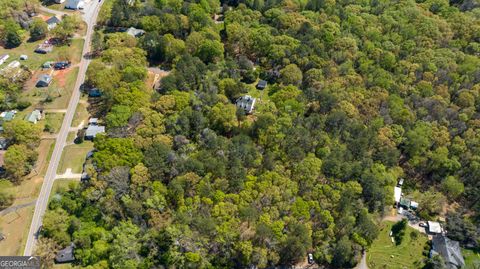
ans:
(38, 29)
(18, 161)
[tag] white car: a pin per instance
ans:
(310, 258)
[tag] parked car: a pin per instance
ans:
(61, 65)
(422, 224)
(310, 258)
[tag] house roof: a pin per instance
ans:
(246, 103)
(9, 115)
(135, 32)
(66, 254)
(450, 251)
(33, 116)
(53, 20)
(45, 78)
(74, 3)
(93, 121)
(434, 227)
(262, 84)
(93, 130)
(397, 194)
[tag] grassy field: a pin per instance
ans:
(58, 94)
(35, 60)
(73, 157)
(385, 254)
(81, 114)
(54, 120)
(62, 184)
(472, 259)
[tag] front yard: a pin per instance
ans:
(385, 254)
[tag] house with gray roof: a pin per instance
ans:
(52, 22)
(93, 130)
(66, 255)
(34, 116)
(44, 81)
(135, 32)
(75, 4)
(247, 103)
(449, 250)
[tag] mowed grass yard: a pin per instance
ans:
(73, 157)
(35, 60)
(472, 258)
(385, 254)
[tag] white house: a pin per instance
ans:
(247, 103)
(52, 22)
(3, 58)
(75, 4)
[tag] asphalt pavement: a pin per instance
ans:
(90, 14)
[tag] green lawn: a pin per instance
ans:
(54, 121)
(58, 94)
(62, 184)
(385, 254)
(472, 259)
(71, 137)
(73, 157)
(81, 114)
(35, 60)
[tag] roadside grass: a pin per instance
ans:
(472, 258)
(81, 114)
(62, 184)
(73, 157)
(35, 60)
(385, 254)
(71, 137)
(53, 121)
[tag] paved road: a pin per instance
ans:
(90, 16)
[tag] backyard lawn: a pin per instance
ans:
(73, 157)
(385, 254)
(81, 114)
(35, 60)
(472, 259)
(53, 122)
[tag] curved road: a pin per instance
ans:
(90, 16)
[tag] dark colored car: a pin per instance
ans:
(61, 65)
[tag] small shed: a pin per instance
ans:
(434, 227)
(413, 205)
(34, 116)
(405, 203)
(65, 255)
(400, 182)
(3, 58)
(75, 4)
(44, 81)
(23, 57)
(262, 84)
(8, 115)
(247, 103)
(47, 65)
(94, 93)
(135, 32)
(449, 250)
(52, 22)
(93, 130)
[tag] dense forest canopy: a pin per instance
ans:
(360, 94)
